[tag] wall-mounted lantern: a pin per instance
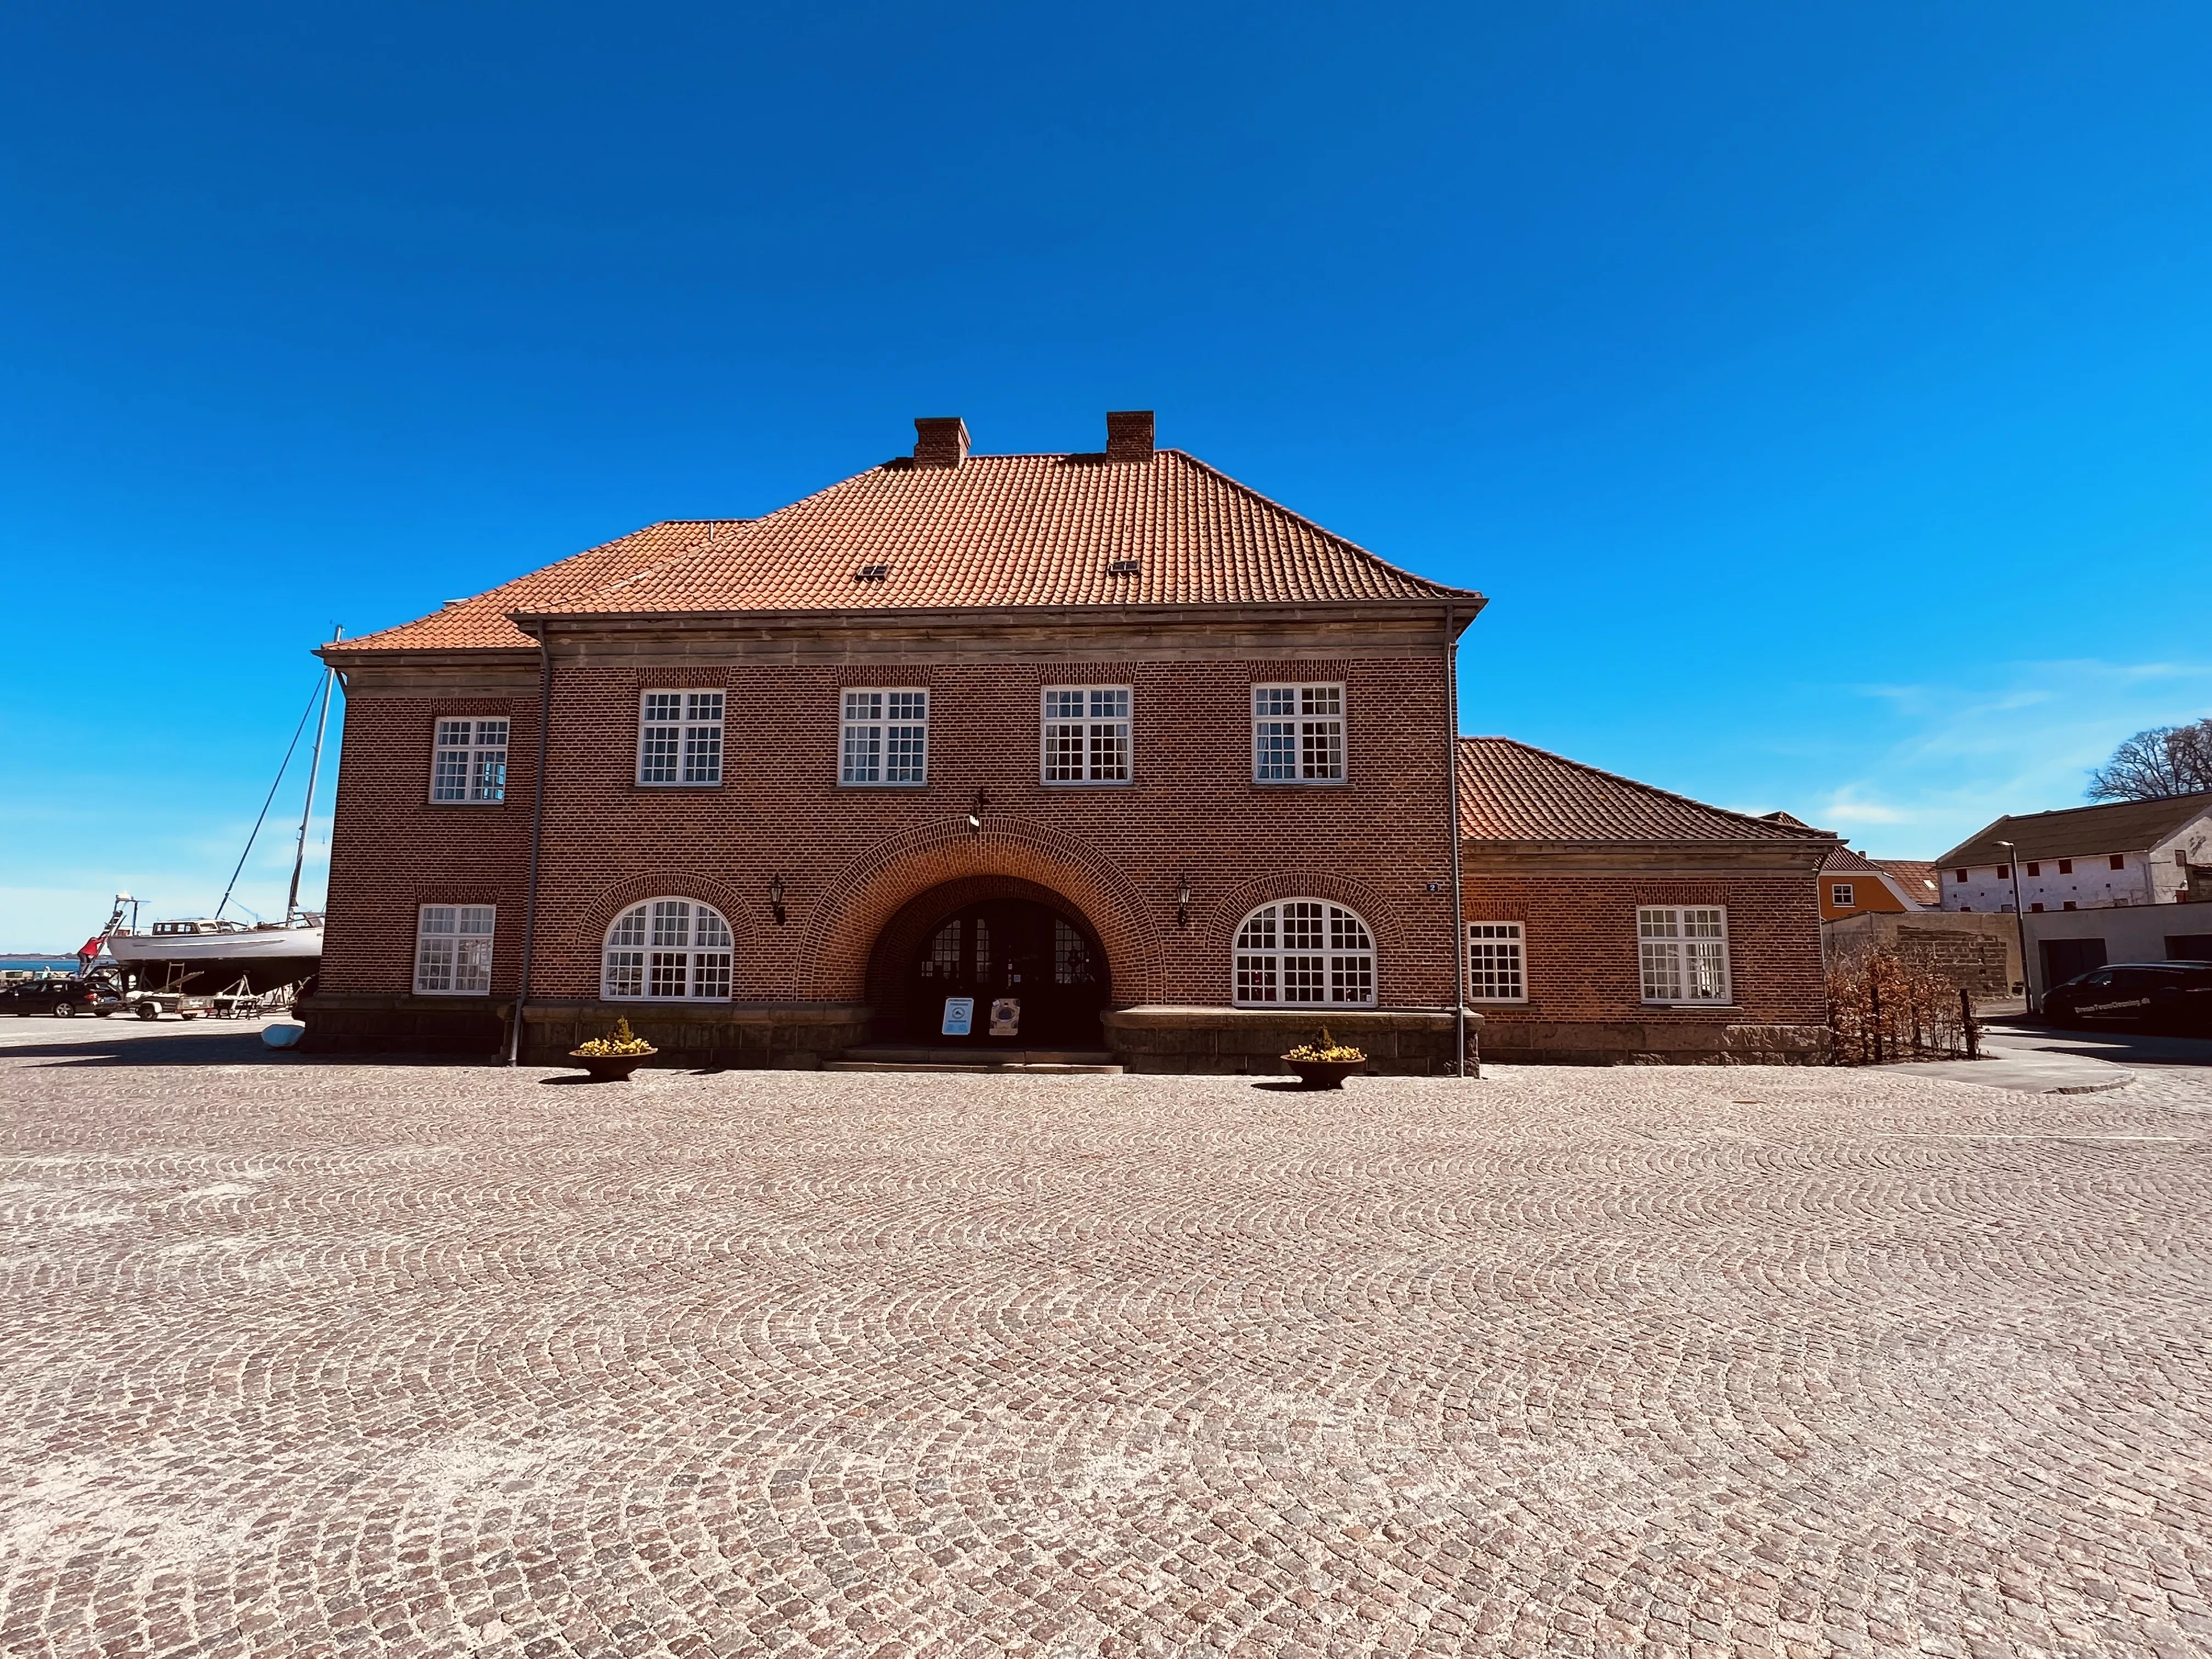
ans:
(776, 898)
(976, 812)
(1182, 899)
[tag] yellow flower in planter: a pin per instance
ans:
(1327, 1049)
(618, 1042)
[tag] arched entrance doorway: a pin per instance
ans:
(963, 953)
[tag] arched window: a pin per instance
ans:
(1304, 953)
(668, 948)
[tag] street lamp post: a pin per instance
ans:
(2020, 922)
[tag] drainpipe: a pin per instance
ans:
(1451, 801)
(537, 844)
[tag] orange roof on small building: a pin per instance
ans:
(1509, 791)
(1161, 528)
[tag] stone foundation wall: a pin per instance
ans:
(338, 1024)
(791, 1035)
(795, 1036)
(1410, 1042)
(1635, 1043)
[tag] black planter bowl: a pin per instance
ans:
(610, 1068)
(1323, 1073)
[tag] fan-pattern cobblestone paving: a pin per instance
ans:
(311, 1357)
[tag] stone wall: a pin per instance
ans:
(1416, 1042)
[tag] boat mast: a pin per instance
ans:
(307, 807)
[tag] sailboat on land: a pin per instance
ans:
(204, 954)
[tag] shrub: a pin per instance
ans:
(1884, 1007)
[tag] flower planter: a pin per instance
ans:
(610, 1068)
(1323, 1073)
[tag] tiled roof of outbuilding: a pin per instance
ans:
(2122, 826)
(1915, 875)
(1029, 531)
(1511, 792)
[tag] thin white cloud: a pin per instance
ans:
(2025, 743)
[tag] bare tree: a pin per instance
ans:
(2167, 760)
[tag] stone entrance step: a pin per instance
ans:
(880, 1057)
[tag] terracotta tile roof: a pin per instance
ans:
(1016, 529)
(1842, 859)
(481, 623)
(1046, 530)
(1915, 875)
(1511, 792)
(2122, 826)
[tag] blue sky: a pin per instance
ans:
(1819, 392)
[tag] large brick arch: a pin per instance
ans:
(839, 937)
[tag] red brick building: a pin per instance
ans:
(1091, 752)
(1607, 920)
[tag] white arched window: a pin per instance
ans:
(1304, 953)
(669, 948)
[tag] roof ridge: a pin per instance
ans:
(1804, 832)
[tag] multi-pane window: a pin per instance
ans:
(1086, 734)
(1495, 970)
(452, 950)
(1297, 734)
(669, 948)
(1683, 953)
(886, 737)
(679, 737)
(1840, 894)
(1304, 953)
(469, 762)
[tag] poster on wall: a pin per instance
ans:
(959, 1016)
(1006, 1016)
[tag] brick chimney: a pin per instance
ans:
(1128, 434)
(940, 441)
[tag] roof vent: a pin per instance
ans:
(872, 572)
(940, 441)
(1123, 568)
(1128, 434)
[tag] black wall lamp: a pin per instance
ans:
(776, 898)
(976, 812)
(1182, 899)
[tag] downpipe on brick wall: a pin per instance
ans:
(1451, 845)
(536, 843)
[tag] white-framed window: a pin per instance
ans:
(1086, 734)
(468, 761)
(884, 736)
(679, 737)
(1297, 734)
(667, 950)
(1304, 953)
(452, 950)
(1497, 971)
(1683, 952)
(1840, 895)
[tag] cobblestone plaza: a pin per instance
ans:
(321, 1358)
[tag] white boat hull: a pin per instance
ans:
(265, 957)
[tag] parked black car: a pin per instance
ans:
(2145, 996)
(58, 996)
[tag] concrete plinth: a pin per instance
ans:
(1412, 1042)
(1651, 1042)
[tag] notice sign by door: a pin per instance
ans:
(1006, 1016)
(959, 1016)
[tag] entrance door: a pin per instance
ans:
(1011, 952)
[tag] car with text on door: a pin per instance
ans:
(2143, 996)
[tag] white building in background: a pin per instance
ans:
(2086, 858)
